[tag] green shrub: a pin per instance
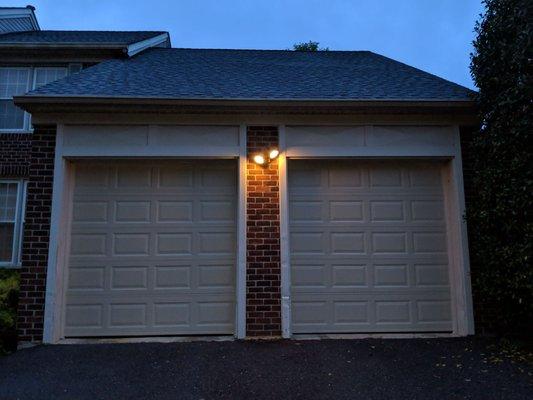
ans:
(499, 218)
(9, 288)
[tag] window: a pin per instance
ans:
(11, 221)
(19, 80)
(44, 75)
(13, 81)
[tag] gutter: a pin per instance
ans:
(14, 45)
(139, 100)
(87, 104)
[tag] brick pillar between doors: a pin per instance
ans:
(263, 294)
(36, 235)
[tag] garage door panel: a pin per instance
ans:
(86, 278)
(122, 176)
(96, 210)
(431, 275)
(119, 315)
(79, 316)
(369, 209)
(132, 211)
(172, 315)
(346, 211)
(129, 278)
(200, 275)
(88, 244)
(175, 176)
(153, 248)
(368, 247)
(89, 211)
(348, 275)
(345, 313)
(173, 211)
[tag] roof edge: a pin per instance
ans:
(128, 48)
(18, 12)
(54, 104)
(138, 47)
(55, 99)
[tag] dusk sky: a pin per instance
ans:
(433, 35)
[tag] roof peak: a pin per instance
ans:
(268, 50)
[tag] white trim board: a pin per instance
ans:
(241, 239)
(284, 237)
(17, 221)
(138, 47)
(449, 149)
(60, 231)
(58, 237)
(151, 141)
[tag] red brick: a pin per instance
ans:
(263, 310)
(14, 154)
(39, 164)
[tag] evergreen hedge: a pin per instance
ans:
(499, 217)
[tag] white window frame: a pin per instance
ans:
(30, 85)
(18, 233)
(36, 70)
(26, 124)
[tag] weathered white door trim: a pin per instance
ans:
(462, 309)
(61, 216)
(58, 245)
(284, 236)
(240, 315)
(458, 243)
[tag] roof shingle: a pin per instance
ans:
(256, 75)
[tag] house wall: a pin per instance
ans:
(263, 270)
(14, 155)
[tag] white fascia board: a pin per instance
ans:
(19, 12)
(137, 47)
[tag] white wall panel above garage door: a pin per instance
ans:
(150, 141)
(152, 248)
(368, 247)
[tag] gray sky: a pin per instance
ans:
(433, 35)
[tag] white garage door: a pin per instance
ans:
(368, 247)
(153, 249)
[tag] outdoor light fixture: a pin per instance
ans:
(259, 159)
(266, 157)
(273, 154)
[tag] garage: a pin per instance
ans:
(152, 248)
(368, 247)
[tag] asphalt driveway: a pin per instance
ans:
(328, 369)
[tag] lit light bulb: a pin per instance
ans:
(273, 153)
(259, 159)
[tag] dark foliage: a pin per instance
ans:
(9, 288)
(501, 229)
(308, 46)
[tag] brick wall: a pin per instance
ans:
(263, 299)
(36, 235)
(14, 154)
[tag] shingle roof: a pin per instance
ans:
(77, 37)
(256, 75)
